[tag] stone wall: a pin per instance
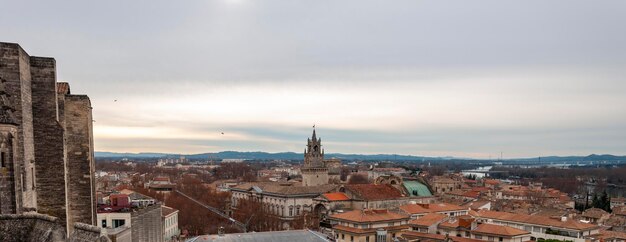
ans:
(146, 224)
(314, 176)
(87, 233)
(30, 227)
(80, 159)
(48, 138)
(34, 227)
(15, 69)
(53, 164)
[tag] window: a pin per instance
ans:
(393, 235)
(478, 236)
(23, 181)
(104, 223)
(298, 210)
(390, 224)
(2, 159)
(118, 222)
(367, 239)
(290, 211)
(490, 238)
(351, 238)
(32, 178)
(500, 239)
(343, 236)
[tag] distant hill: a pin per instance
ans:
(100, 154)
(258, 155)
(263, 156)
(588, 158)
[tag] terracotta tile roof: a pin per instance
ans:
(499, 230)
(430, 208)
(594, 213)
(411, 235)
(369, 230)
(428, 220)
(477, 204)
(336, 196)
(481, 189)
(464, 221)
(606, 235)
(369, 192)
(533, 219)
(621, 210)
(285, 188)
(369, 215)
(492, 182)
(473, 213)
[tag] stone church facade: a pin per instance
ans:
(46, 142)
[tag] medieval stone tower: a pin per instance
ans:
(314, 170)
(46, 142)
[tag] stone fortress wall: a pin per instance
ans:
(46, 149)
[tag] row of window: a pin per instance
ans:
(115, 223)
(381, 238)
(171, 221)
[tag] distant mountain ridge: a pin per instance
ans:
(258, 155)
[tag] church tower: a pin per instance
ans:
(314, 170)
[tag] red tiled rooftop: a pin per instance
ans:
(428, 219)
(435, 237)
(534, 219)
(368, 230)
(369, 215)
(161, 179)
(499, 230)
(492, 182)
(430, 208)
(336, 196)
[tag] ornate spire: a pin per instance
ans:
(6, 109)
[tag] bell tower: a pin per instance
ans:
(314, 170)
(314, 154)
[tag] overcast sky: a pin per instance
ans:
(435, 78)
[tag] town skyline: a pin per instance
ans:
(527, 79)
